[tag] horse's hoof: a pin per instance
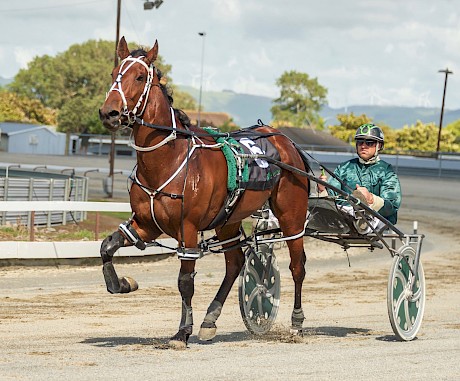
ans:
(180, 339)
(177, 344)
(131, 284)
(296, 331)
(207, 334)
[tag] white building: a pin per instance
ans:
(31, 139)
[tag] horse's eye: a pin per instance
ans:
(140, 78)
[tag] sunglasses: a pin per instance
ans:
(369, 143)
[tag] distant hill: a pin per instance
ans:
(5, 81)
(395, 116)
(245, 109)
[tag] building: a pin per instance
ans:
(311, 139)
(208, 119)
(31, 139)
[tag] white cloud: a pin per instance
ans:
(259, 58)
(226, 11)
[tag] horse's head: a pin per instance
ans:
(132, 80)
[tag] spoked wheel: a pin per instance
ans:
(259, 290)
(405, 298)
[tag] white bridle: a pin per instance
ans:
(125, 65)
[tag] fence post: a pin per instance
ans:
(96, 230)
(32, 226)
(440, 164)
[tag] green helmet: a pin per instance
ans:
(370, 131)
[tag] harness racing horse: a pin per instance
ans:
(180, 186)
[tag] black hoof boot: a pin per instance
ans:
(117, 285)
(180, 339)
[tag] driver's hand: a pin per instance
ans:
(368, 195)
(320, 186)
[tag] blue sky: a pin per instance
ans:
(385, 52)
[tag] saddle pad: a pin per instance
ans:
(262, 174)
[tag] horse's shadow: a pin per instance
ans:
(160, 342)
(276, 335)
(336, 331)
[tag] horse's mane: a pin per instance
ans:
(167, 90)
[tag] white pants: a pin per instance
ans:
(373, 221)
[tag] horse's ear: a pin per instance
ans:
(153, 53)
(123, 50)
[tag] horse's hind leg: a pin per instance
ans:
(297, 267)
(292, 212)
(234, 261)
(115, 285)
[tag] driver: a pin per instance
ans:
(373, 180)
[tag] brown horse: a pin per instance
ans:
(180, 185)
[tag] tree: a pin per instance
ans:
(87, 117)
(300, 100)
(349, 123)
(183, 100)
(454, 128)
(424, 137)
(15, 108)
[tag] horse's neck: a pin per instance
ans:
(158, 165)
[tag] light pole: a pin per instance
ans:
(447, 72)
(202, 34)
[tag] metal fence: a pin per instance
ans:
(20, 185)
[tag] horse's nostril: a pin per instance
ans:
(114, 113)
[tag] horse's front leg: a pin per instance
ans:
(186, 285)
(234, 261)
(109, 246)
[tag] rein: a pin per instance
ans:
(246, 132)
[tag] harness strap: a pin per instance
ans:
(170, 137)
(153, 193)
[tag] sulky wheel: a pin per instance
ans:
(406, 298)
(259, 289)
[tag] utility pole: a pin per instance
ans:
(112, 137)
(447, 72)
(202, 34)
(147, 5)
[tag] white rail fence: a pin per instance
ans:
(69, 250)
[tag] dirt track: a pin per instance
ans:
(60, 323)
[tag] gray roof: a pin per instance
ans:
(311, 137)
(12, 127)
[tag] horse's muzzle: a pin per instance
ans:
(110, 118)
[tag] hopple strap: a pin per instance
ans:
(131, 235)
